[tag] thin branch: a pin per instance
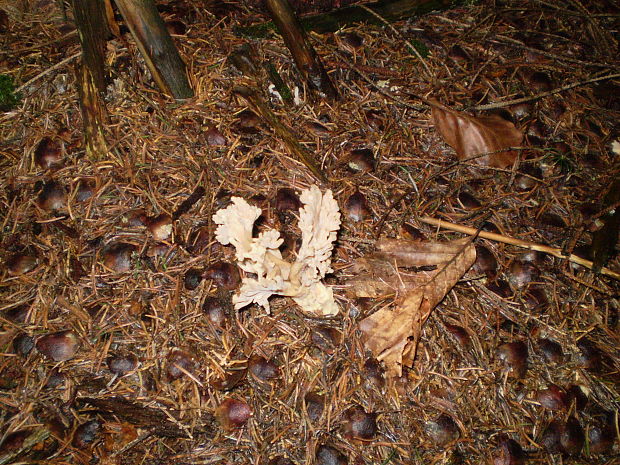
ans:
(491, 106)
(398, 33)
(49, 70)
(517, 242)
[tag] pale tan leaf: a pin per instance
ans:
(470, 136)
(376, 278)
(392, 335)
(379, 275)
(405, 253)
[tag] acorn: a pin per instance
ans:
(55, 379)
(176, 27)
(514, 355)
(117, 257)
(233, 413)
(500, 287)
(535, 297)
(373, 374)
(262, 369)
(52, 197)
(375, 120)
(590, 356)
(248, 122)
(442, 431)
(59, 346)
(17, 314)
(315, 404)
(229, 380)
(23, 344)
(85, 190)
(485, 263)
(352, 40)
(215, 137)
(361, 160)
(411, 233)
(327, 455)
(13, 442)
(360, 425)
(601, 437)
(21, 263)
(552, 398)
(459, 333)
(192, 278)
(521, 274)
(48, 154)
(356, 207)
(550, 438)
(468, 201)
(317, 128)
(572, 437)
(287, 200)
(326, 338)
(539, 81)
(510, 452)
(85, 434)
(160, 226)
(551, 350)
(215, 309)
(223, 274)
(179, 363)
(122, 364)
(279, 460)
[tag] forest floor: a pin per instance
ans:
(119, 343)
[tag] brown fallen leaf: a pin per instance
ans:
(471, 136)
(381, 274)
(392, 335)
(405, 253)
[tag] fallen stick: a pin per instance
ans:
(517, 242)
(34, 438)
(307, 60)
(47, 71)
(283, 132)
(493, 106)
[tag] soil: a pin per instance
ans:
(119, 341)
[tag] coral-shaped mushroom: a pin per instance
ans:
(319, 221)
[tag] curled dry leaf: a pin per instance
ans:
(377, 276)
(472, 136)
(392, 335)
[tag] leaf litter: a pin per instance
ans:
(392, 335)
(121, 254)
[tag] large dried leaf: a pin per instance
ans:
(378, 275)
(472, 136)
(392, 335)
(405, 253)
(377, 278)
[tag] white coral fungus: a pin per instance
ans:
(319, 221)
